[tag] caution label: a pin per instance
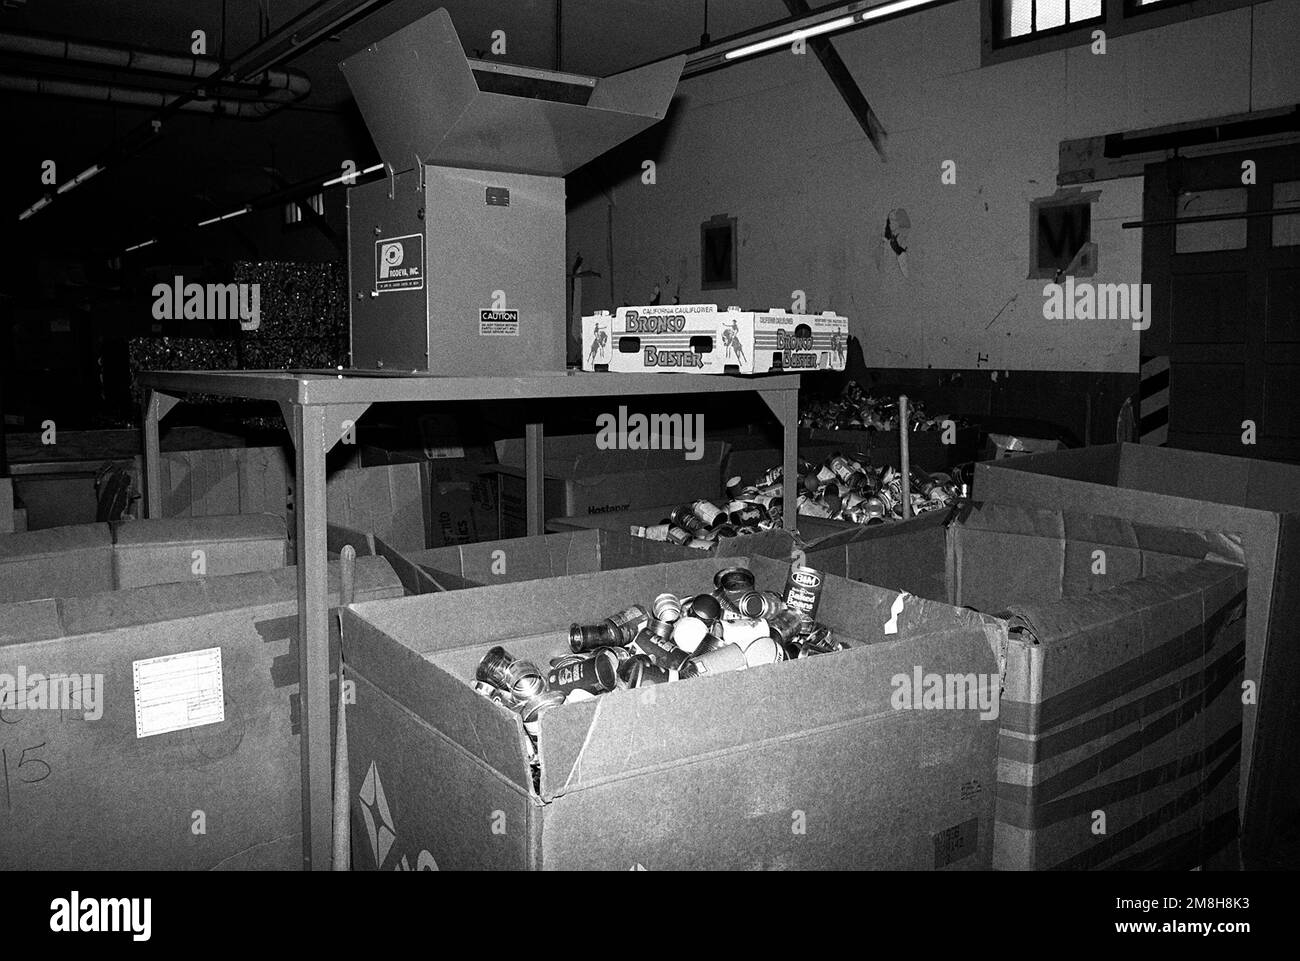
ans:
(498, 323)
(399, 263)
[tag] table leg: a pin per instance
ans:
(152, 457)
(535, 481)
(313, 636)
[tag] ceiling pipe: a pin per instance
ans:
(131, 97)
(274, 88)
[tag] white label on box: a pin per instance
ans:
(498, 323)
(178, 691)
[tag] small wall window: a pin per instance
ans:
(1060, 237)
(1020, 19)
(718, 253)
(1025, 28)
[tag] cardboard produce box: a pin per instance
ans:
(581, 478)
(805, 764)
(700, 339)
(55, 562)
(1120, 714)
(386, 501)
(190, 763)
(177, 549)
(1257, 499)
(239, 480)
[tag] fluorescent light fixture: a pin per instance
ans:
(338, 180)
(773, 42)
(233, 213)
(36, 207)
(80, 178)
(885, 9)
(138, 246)
(829, 26)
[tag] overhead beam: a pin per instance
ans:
(840, 76)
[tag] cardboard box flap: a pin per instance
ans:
(165, 602)
(449, 704)
(1184, 473)
(1272, 486)
(1062, 620)
(1103, 530)
(554, 555)
(197, 530)
(24, 621)
(54, 540)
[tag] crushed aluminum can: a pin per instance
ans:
(760, 604)
(734, 582)
(679, 536)
(717, 660)
(709, 513)
(666, 607)
(703, 606)
(788, 624)
(660, 650)
(595, 674)
(639, 671)
(685, 518)
(531, 709)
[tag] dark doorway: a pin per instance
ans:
(1225, 298)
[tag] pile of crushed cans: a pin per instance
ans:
(736, 626)
(848, 489)
(855, 409)
(840, 488)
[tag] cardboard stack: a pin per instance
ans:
(1120, 714)
(795, 765)
(187, 764)
(1257, 499)
(83, 559)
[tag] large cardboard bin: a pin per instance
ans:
(805, 764)
(93, 788)
(1120, 715)
(1258, 499)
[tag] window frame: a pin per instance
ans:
(1118, 18)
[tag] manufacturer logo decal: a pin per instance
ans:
(375, 806)
(399, 263)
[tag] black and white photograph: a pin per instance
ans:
(655, 436)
